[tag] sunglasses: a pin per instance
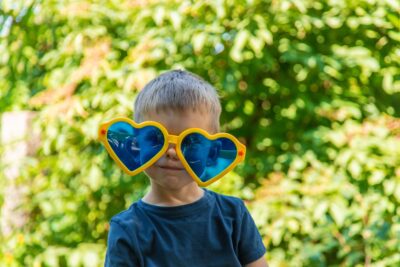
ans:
(136, 146)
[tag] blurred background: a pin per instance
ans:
(311, 87)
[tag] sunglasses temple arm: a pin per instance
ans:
(228, 154)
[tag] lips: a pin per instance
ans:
(170, 167)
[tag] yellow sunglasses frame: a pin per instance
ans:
(170, 139)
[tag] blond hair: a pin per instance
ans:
(178, 90)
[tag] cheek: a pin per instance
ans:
(151, 171)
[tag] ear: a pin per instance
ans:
(214, 153)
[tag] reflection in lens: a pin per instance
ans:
(134, 147)
(151, 141)
(208, 158)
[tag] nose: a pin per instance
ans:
(171, 152)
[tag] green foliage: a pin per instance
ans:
(311, 87)
(336, 205)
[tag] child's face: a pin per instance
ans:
(168, 172)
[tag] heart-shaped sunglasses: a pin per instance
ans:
(136, 146)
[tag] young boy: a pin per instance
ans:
(177, 223)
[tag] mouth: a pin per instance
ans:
(172, 168)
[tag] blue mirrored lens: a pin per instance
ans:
(208, 158)
(134, 147)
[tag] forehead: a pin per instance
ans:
(177, 121)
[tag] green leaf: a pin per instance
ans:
(239, 44)
(338, 212)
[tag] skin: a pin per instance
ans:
(171, 185)
(261, 262)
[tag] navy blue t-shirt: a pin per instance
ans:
(216, 231)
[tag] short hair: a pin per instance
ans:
(178, 90)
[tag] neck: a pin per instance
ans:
(173, 197)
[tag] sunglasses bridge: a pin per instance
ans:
(172, 139)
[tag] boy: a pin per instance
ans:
(177, 223)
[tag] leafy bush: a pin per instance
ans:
(311, 87)
(337, 205)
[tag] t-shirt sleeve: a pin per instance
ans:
(250, 243)
(120, 251)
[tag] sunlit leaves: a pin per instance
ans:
(353, 200)
(304, 84)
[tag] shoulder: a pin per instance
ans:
(125, 215)
(228, 204)
(122, 243)
(126, 219)
(229, 200)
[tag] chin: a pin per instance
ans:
(173, 182)
(177, 182)
(169, 180)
